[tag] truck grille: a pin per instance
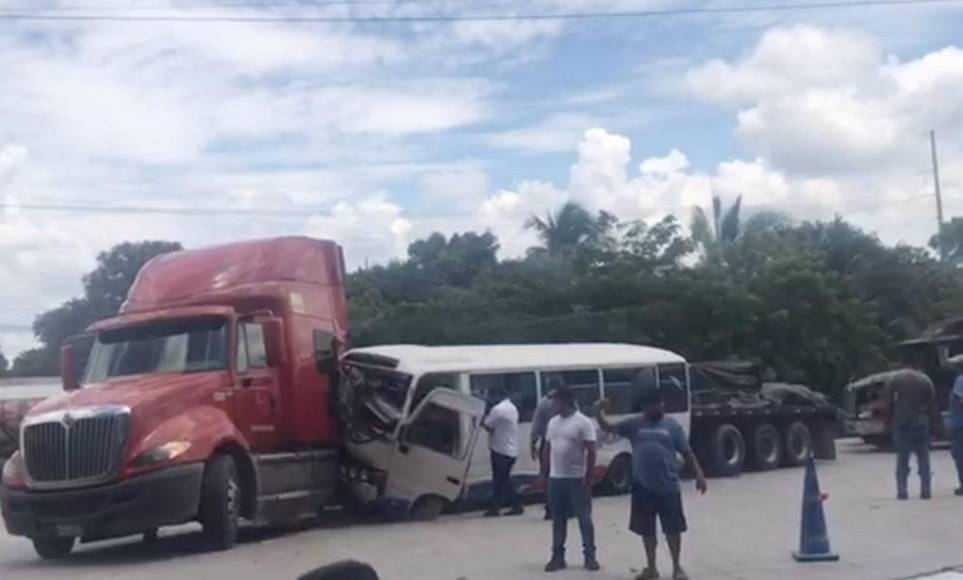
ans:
(86, 448)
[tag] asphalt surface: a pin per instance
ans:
(743, 528)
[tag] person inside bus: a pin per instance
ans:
(570, 458)
(914, 409)
(657, 441)
(546, 409)
(502, 426)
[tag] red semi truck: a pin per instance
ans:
(208, 397)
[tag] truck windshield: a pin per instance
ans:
(170, 346)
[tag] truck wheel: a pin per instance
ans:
(53, 548)
(427, 508)
(220, 502)
(618, 477)
(799, 444)
(727, 450)
(766, 447)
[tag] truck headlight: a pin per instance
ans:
(14, 474)
(161, 453)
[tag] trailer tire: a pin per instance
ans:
(53, 548)
(618, 477)
(220, 507)
(427, 508)
(766, 449)
(799, 444)
(727, 450)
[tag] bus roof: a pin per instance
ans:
(416, 359)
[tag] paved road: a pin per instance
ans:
(744, 528)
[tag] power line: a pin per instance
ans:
(428, 18)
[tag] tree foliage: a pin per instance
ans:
(3, 364)
(105, 288)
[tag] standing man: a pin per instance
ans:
(544, 411)
(914, 407)
(657, 441)
(502, 426)
(569, 457)
(956, 422)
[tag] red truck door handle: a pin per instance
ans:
(247, 382)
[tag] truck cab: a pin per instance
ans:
(207, 398)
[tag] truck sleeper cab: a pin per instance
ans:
(206, 399)
(392, 417)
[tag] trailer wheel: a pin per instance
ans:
(427, 508)
(799, 444)
(766, 447)
(53, 548)
(727, 450)
(220, 502)
(618, 477)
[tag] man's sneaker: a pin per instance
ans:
(958, 491)
(515, 511)
(592, 565)
(555, 564)
(648, 574)
(902, 495)
(491, 513)
(925, 494)
(680, 574)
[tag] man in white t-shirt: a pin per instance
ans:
(502, 426)
(570, 456)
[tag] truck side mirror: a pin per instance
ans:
(325, 352)
(274, 342)
(69, 374)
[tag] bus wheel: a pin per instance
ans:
(220, 502)
(799, 444)
(727, 450)
(618, 477)
(766, 447)
(427, 508)
(53, 548)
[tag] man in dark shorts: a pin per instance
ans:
(914, 412)
(657, 441)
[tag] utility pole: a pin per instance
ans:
(939, 197)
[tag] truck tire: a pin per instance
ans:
(220, 502)
(426, 508)
(618, 477)
(766, 449)
(53, 548)
(798, 443)
(727, 451)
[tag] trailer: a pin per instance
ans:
(739, 421)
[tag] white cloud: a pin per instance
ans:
(820, 102)
(557, 133)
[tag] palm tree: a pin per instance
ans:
(727, 227)
(571, 226)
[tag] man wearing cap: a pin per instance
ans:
(956, 421)
(544, 411)
(502, 426)
(914, 414)
(657, 441)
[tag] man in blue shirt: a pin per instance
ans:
(657, 442)
(956, 423)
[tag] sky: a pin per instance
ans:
(375, 133)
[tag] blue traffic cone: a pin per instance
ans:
(813, 539)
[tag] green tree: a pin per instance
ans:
(571, 227)
(951, 236)
(3, 364)
(105, 288)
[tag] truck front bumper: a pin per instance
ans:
(131, 506)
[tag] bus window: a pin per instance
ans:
(436, 428)
(618, 388)
(428, 383)
(519, 386)
(672, 382)
(584, 383)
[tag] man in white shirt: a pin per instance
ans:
(502, 426)
(570, 457)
